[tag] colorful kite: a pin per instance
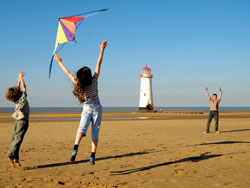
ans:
(66, 31)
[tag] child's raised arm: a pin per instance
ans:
(20, 79)
(18, 82)
(99, 62)
(59, 60)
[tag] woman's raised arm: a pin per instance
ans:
(99, 62)
(71, 76)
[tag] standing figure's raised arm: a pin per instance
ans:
(207, 93)
(220, 95)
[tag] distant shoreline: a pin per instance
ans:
(63, 116)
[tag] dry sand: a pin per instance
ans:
(132, 153)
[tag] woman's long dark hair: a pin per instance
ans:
(84, 78)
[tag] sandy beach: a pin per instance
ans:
(148, 150)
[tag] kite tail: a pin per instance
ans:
(50, 66)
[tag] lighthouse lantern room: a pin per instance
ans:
(146, 95)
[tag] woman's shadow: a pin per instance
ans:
(201, 157)
(87, 160)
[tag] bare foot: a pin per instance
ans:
(17, 162)
(11, 162)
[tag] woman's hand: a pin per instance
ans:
(58, 58)
(103, 44)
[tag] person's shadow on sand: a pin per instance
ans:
(203, 156)
(87, 160)
(230, 131)
(222, 142)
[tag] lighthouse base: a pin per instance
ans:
(144, 109)
(149, 108)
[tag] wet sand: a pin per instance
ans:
(69, 116)
(163, 152)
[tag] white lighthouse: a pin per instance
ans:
(146, 95)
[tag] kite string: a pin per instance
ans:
(57, 51)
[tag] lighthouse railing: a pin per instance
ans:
(146, 75)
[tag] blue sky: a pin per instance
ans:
(188, 44)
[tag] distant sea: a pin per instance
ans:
(51, 109)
